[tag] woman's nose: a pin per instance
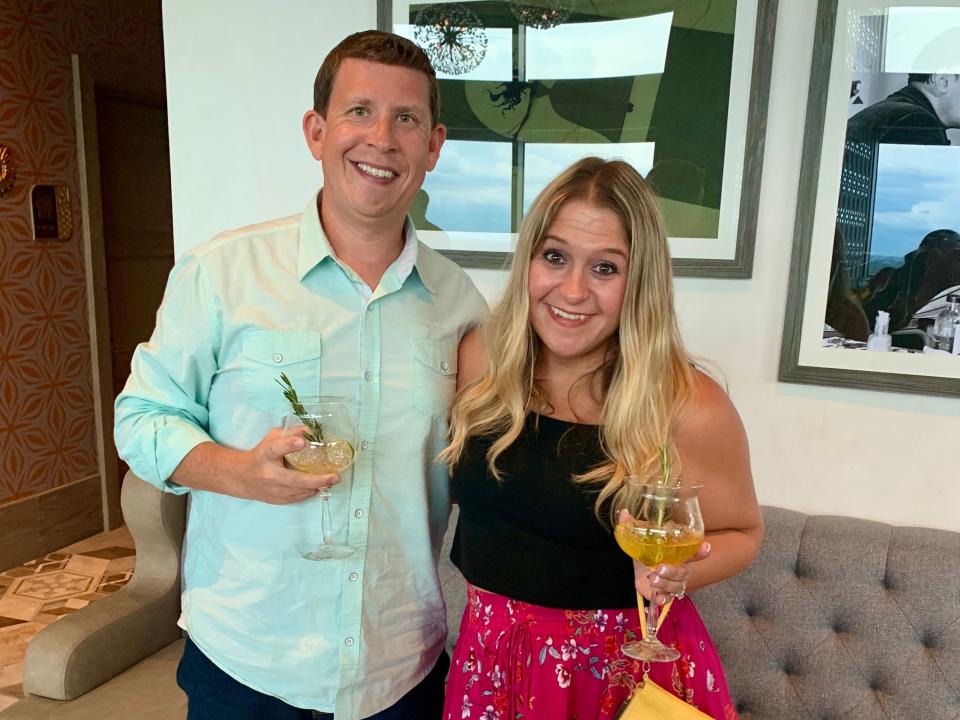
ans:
(573, 287)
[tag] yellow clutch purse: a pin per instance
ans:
(651, 702)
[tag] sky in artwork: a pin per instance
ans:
(918, 191)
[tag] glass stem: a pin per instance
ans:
(326, 524)
(652, 615)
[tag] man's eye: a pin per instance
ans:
(605, 268)
(358, 111)
(406, 118)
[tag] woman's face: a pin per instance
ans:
(576, 284)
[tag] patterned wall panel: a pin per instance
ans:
(47, 434)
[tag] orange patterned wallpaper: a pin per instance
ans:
(46, 409)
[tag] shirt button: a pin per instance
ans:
(370, 307)
(364, 445)
(353, 576)
(348, 641)
(358, 513)
(368, 375)
(277, 357)
(443, 365)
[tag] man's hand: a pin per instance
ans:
(254, 474)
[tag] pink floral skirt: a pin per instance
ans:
(518, 661)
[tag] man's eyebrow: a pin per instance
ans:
(352, 100)
(357, 100)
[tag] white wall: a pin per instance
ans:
(239, 79)
(814, 449)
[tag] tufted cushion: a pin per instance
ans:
(838, 618)
(841, 618)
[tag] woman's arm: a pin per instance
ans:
(713, 452)
(471, 358)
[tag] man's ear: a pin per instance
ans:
(437, 137)
(314, 128)
(942, 82)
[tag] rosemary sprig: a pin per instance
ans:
(661, 503)
(664, 465)
(314, 431)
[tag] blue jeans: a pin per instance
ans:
(214, 695)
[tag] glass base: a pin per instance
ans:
(330, 551)
(649, 651)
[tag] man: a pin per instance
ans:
(918, 114)
(346, 302)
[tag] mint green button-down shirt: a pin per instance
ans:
(346, 636)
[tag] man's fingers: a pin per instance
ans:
(307, 481)
(275, 449)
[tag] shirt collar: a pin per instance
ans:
(917, 96)
(315, 248)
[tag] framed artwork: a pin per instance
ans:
(678, 88)
(876, 244)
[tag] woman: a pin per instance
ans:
(575, 381)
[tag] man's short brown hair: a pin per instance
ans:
(379, 47)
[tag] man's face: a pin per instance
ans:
(375, 143)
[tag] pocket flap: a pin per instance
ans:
(438, 355)
(280, 347)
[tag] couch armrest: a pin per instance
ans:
(86, 648)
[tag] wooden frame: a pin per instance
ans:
(743, 156)
(88, 158)
(805, 357)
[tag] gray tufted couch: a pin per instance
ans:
(837, 619)
(842, 618)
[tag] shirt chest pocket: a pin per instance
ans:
(267, 354)
(434, 374)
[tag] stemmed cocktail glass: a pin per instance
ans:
(330, 433)
(664, 526)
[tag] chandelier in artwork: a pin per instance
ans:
(453, 37)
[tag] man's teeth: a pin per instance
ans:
(565, 315)
(376, 172)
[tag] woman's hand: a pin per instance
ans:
(660, 583)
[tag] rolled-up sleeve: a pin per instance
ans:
(161, 414)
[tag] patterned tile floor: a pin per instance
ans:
(40, 592)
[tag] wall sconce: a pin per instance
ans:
(7, 172)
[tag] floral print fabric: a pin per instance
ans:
(518, 661)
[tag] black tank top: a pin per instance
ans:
(535, 536)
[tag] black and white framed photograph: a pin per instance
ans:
(678, 88)
(874, 296)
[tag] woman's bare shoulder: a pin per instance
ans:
(472, 361)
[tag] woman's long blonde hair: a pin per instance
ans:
(647, 378)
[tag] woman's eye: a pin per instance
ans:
(554, 257)
(605, 268)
